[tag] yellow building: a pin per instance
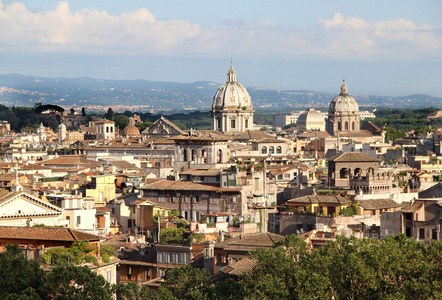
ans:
(102, 188)
(322, 204)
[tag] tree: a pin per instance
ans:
(83, 112)
(110, 114)
(121, 121)
(187, 282)
(173, 235)
(73, 282)
(72, 111)
(18, 275)
(131, 290)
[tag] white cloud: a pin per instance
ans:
(139, 32)
(89, 30)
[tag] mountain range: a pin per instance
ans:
(145, 95)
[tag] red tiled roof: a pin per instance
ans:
(46, 234)
(240, 267)
(181, 185)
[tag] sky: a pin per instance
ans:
(388, 48)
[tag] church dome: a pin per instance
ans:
(232, 94)
(310, 116)
(343, 103)
(131, 129)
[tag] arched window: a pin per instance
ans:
(339, 126)
(278, 150)
(346, 125)
(246, 125)
(343, 173)
(271, 150)
(353, 126)
(184, 155)
(107, 129)
(219, 156)
(264, 150)
(358, 171)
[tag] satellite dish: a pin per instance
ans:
(297, 232)
(302, 230)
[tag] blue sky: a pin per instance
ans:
(380, 47)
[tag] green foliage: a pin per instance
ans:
(348, 211)
(143, 126)
(78, 253)
(349, 268)
(76, 283)
(41, 108)
(187, 282)
(110, 114)
(131, 290)
(121, 121)
(18, 275)
(182, 223)
(199, 237)
(173, 235)
(265, 128)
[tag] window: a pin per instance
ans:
(162, 198)
(129, 223)
(346, 125)
(278, 150)
(434, 234)
(246, 125)
(157, 164)
(219, 123)
(286, 175)
(264, 150)
(232, 123)
(271, 150)
(233, 199)
(129, 273)
(186, 199)
(133, 209)
(109, 275)
(213, 200)
(280, 176)
(78, 220)
(421, 233)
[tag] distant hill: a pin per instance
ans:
(20, 90)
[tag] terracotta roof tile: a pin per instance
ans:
(240, 267)
(46, 233)
(170, 185)
(353, 156)
(320, 199)
(378, 204)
